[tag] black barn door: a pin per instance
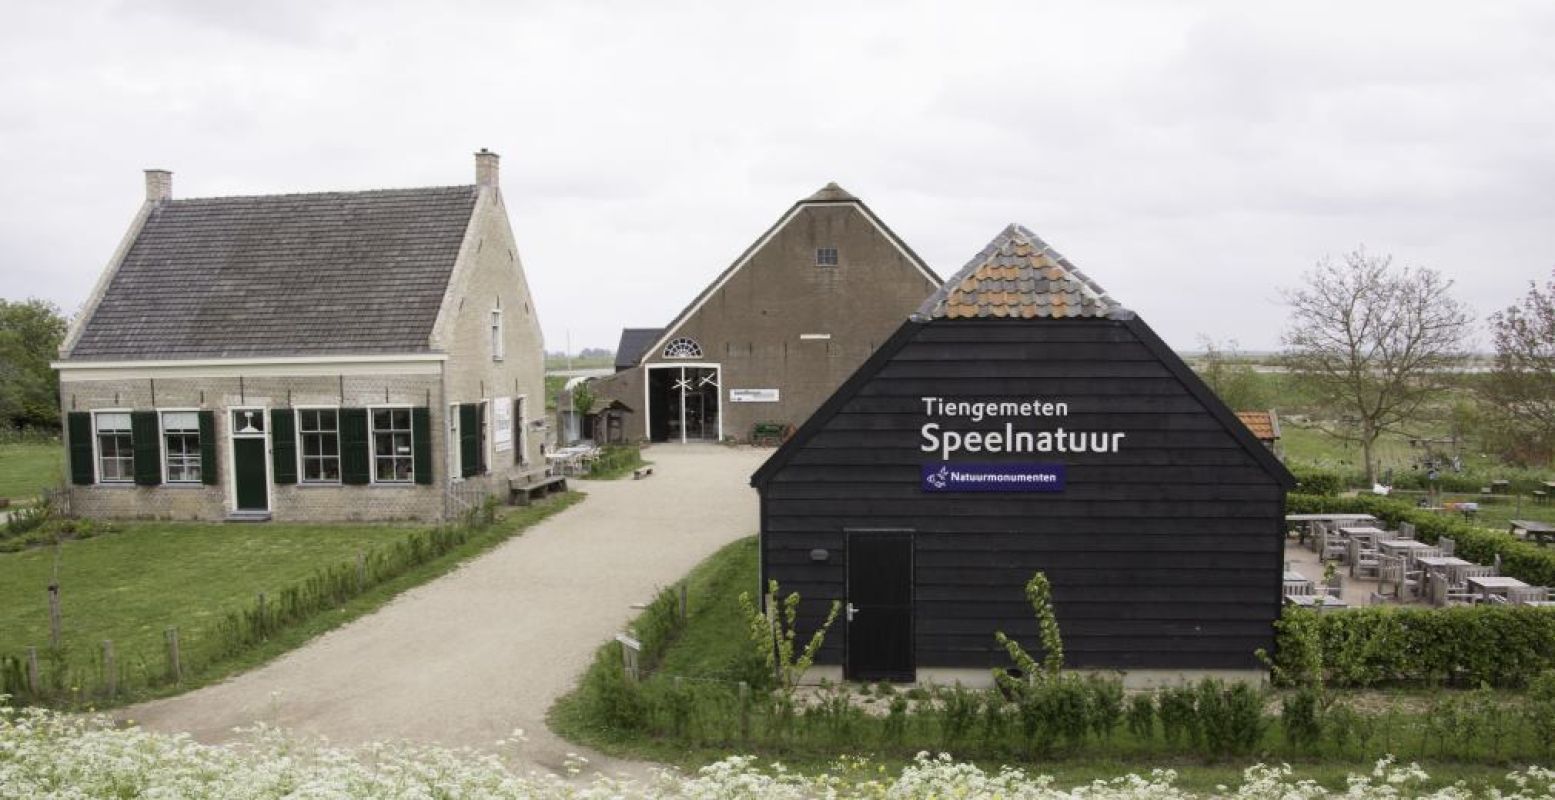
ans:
(879, 614)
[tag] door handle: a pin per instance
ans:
(851, 612)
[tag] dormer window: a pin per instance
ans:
(826, 256)
(496, 334)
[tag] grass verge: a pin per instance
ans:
(134, 585)
(26, 469)
(688, 722)
(616, 461)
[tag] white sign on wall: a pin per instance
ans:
(502, 424)
(753, 395)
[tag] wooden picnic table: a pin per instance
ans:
(1295, 580)
(1306, 520)
(1494, 584)
(1313, 600)
(1401, 547)
(1540, 532)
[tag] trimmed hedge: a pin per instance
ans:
(1318, 481)
(1519, 559)
(1504, 646)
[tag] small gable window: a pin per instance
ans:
(683, 348)
(496, 334)
(826, 256)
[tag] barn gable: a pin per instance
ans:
(1164, 545)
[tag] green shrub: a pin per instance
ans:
(1461, 645)
(657, 627)
(1231, 719)
(1300, 718)
(1321, 482)
(1539, 709)
(959, 709)
(1105, 705)
(610, 696)
(1141, 717)
(1177, 707)
(614, 461)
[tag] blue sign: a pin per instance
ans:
(956, 476)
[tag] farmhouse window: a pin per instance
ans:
(826, 256)
(472, 439)
(319, 431)
(181, 446)
(393, 451)
(115, 447)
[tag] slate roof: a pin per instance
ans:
(1018, 275)
(634, 342)
(283, 275)
(1261, 423)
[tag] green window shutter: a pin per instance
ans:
(480, 438)
(421, 443)
(469, 442)
(82, 472)
(208, 448)
(356, 460)
(146, 438)
(283, 444)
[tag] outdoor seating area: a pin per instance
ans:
(1370, 564)
(572, 461)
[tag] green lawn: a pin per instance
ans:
(27, 469)
(131, 586)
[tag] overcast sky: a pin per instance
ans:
(1191, 158)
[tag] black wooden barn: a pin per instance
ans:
(1023, 420)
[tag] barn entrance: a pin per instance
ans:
(683, 403)
(879, 612)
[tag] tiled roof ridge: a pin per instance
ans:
(1027, 302)
(322, 194)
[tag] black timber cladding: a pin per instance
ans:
(295, 274)
(1166, 554)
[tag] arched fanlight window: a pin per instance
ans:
(683, 348)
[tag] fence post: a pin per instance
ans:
(361, 571)
(175, 666)
(745, 711)
(34, 679)
(55, 622)
(110, 669)
(264, 624)
(682, 601)
(630, 648)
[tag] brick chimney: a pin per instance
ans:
(486, 168)
(159, 185)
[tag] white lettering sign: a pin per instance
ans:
(1008, 439)
(753, 395)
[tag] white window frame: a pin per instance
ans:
(97, 456)
(372, 443)
(339, 457)
(488, 429)
(167, 479)
(454, 470)
(498, 332)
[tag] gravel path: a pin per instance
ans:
(464, 660)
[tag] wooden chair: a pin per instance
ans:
(1331, 547)
(1294, 589)
(1363, 561)
(1406, 530)
(1406, 585)
(1518, 595)
(1448, 545)
(1333, 587)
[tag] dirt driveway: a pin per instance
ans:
(485, 649)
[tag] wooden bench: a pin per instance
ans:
(770, 434)
(522, 492)
(642, 472)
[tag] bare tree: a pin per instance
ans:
(1375, 344)
(1520, 393)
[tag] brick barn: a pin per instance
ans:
(773, 335)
